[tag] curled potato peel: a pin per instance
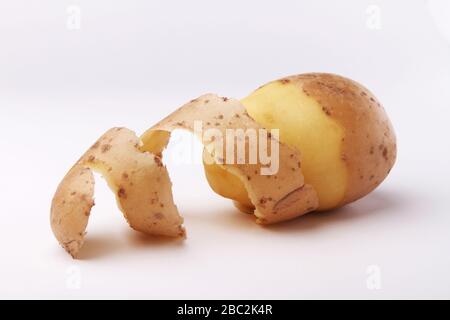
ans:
(286, 198)
(138, 179)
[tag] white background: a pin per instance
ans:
(132, 62)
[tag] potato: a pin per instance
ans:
(347, 142)
(335, 145)
(138, 179)
(278, 196)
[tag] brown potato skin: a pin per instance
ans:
(71, 207)
(369, 147)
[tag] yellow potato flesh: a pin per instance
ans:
(303, 125)
(225, 183)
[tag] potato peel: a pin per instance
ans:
(278, 197)
(71, 207)
(139, 180)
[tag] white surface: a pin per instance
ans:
(133, 62)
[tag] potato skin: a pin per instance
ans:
(71, 207)
(369, 147)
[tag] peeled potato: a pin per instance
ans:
(347, 142)
(138, 179)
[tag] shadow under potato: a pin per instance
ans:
(377, 204)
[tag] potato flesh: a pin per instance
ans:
(233, 188)
(303, 125)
